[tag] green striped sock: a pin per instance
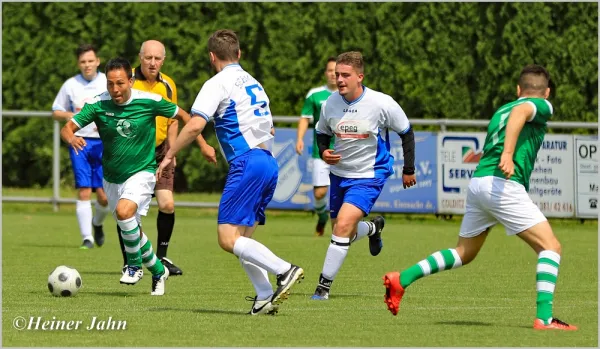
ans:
(321, 210)
(130, 232)
(546, 275)
(149, 259)
(438, 261)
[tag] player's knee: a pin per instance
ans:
(343, 228)
(320, 193)
(84, 194)
(551, 244)
(102, 200)
(123, 212)
(166, 206)
(226, 243)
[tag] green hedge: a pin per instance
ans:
(439, 60)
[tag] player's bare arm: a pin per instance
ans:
(516, 120)
(172, 131)
(302, 127)
(207, 151)
(60, 115)
(67, 133)
(188, 134)
(408, 148)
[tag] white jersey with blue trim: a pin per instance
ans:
(75, 93)
(361, 130)
(239, 106)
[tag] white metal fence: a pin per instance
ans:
(55, 199)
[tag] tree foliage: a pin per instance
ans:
(439, 60)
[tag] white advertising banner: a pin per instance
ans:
(586, 176)
(458, 156)
(551, 185)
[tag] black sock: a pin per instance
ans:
(324, 283)
(122, 245)
(164, 225)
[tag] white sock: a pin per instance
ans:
(259, 278)
(101, 212)
(84, 218)
(257, 253)
(363, 229)
(336, 253)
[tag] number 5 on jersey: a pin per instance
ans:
(261, 110)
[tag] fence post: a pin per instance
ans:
(56, 166)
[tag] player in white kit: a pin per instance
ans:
(87, 164)
(239, 106)
(360, 120)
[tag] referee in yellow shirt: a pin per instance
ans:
(147, 77)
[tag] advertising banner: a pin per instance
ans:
(294, 187)
(586, 176)
(552, 180)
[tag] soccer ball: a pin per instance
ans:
(64, 281)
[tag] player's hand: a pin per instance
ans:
(409, 180)
(507, 166)
(166, 161)
(331, 158)
(299, 146)
(77, 143)
(209, 154)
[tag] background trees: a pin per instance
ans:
(439, 60)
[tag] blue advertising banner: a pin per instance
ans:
(294, 187)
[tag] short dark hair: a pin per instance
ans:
(534, 78)
(353, 59)
(331, 59)
(119, 63)
(224, 44)
(83, 48)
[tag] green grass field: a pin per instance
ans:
(488, 303)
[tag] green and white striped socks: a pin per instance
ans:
(149, 259)
(546, 275)
(438, 261)
(130, 232)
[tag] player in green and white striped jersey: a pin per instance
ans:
(125, 118)
(320, 170)
(497, 193)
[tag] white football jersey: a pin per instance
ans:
(361, 130)
(73, 95)
(240, 108)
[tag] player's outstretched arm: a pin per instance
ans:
(516, 120)
(207, 150)
(60, 115)
(190, 131)
(67, 133)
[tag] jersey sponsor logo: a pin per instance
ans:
(351, 129)
(109, 114)
(347, 110)
(125, 129)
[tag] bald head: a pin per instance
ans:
(153, 46)
(152, 57)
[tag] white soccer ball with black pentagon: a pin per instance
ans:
(64, 281)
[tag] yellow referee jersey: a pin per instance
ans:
(164, 86)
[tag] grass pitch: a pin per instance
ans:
(488, 303)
